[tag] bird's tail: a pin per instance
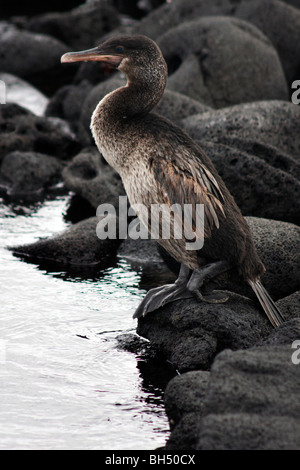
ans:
(271, 310)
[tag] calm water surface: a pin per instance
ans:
(65, 383)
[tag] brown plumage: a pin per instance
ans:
(160, 164)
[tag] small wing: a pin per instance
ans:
(190, 182)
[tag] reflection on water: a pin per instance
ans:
(66, 383)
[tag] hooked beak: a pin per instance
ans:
(93, 55)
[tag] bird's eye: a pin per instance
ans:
(120, 49)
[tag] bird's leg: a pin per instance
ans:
(206, 273)
(162, 295)
(185, 287)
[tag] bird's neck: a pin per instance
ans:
(138, 97)
(117, 115)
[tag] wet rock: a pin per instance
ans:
(80, 27)
(277, 20)
(132, 343)
(189, 333)
(185, 394)
(22, 173)
(199, 52)
(22, 93)
(22, 130)
(184, 402)
(78, 245)
(92, 179)
(35, 57)
(255, 149)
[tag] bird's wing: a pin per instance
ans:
(190, 182)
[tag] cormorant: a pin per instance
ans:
(160, 164)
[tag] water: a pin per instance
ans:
(65, 383)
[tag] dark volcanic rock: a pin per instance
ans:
(92, 179)
(185, 394)
(247, 401)
(176, 106)
(211, 59)
(184, 402)
(35, 57)
(67, 103)
(290, 304)
(22, 130)
(80, 27)
(26, 172)
(272, 122)
(189, 333)
(281, 24)
(78, 245)
(176, 12)
(278, 245)
(252, 401)
(279, 21)
(255, 148)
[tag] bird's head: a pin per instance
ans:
(135, 55)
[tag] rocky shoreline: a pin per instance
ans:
(231, 70)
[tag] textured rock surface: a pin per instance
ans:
(35, 57)
(252, 401)
(92, 179)
(78, 245)
(255, 148)
(22, 130)
(80, 27)
(277, 20)
(189, 333)
(248, 400)
(210, 59)
(26, 172)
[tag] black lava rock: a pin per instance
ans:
(24, 173)
(255, 149)
(33, 56)
(93, 180)
(79, 245)
(199, 52)
(277, 20)
(78, 28)
(22, 130)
